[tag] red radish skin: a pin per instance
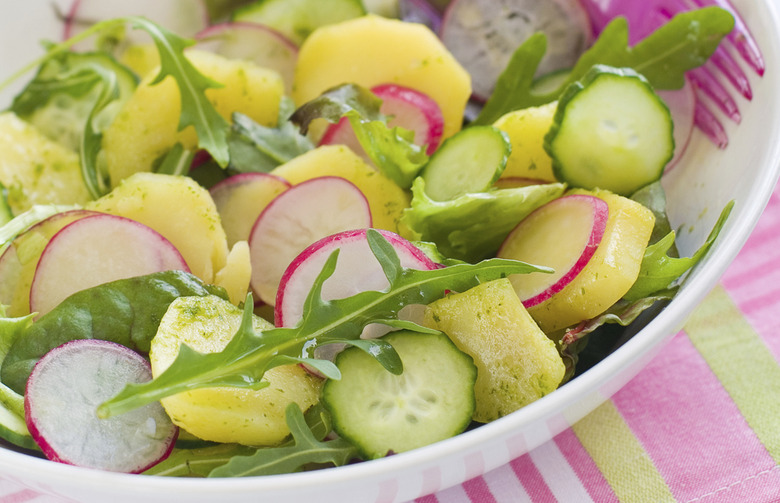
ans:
(252, 42)
(407, 108)
(297, 218)
(563, 234)
(241, 198)
(61, 399)
(357, 270)
(95, 250)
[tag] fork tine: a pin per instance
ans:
(706, 121)
(703, 79)
(733, 72)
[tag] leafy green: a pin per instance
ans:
(24, 221)
(473, 226)
(250, 354)
(198, 462)
(663, 57)
(125, 311)
(392, 150)
(177, 161)
(660, 272)
(11, 402)
(653, 197)
(305, 449)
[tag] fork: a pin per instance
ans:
(645, 16)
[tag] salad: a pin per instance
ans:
(302, 238)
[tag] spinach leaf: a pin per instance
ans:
(684, 43)
(292, 457)
(11, 402)
(125, 311)
(250, 354)
(473, 226)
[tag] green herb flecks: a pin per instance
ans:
(250, 354)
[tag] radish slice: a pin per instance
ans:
(241, 198)
(61, 399)
(407, 108)
(183, 17)
(253, 42)
(483, 34)
(95, 250)
(577, 220)
(297, 218)
(682, 105)
(357, 270)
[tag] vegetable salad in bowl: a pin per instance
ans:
(307, 246)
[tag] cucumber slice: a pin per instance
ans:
(296, 19)
(610, 131)
(379, 413)
(468, 162)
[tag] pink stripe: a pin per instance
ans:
(689, 431)
(532, 480)
(431, 498)
(19, 497)
(586, 470)
(478, 491)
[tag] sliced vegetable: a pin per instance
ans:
(526, 129)
(62, 394)
(226, 414)
(381, 413)
(297, 19)
(483, 34)
(467, 163)
(610, 131)
(119, 248)
(297, 218)
(516, 362)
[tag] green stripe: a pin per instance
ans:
(742, 363)
(620, 457)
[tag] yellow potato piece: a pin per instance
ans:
(235, 415)
(236, 274)
(516, 362)
(385, 199)
(526, 129)
(373, 50)
(611, 271)
(179, 209)
(35, 169)
(147, 126)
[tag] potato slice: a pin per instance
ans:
(35, 169)
(385, 199)
(373, 50)
(207, 324)
(179, 209)
(147, 126)
(526, 129)
(516, 362)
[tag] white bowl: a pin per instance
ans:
(698, 188)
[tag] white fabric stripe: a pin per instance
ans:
(558, 474)
(505, 486)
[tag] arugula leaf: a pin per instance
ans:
(177, 161)
(663, 57)
(125, 311)
(250, 354)
(659, 271)
(305, 449)
(335, 102)
(473, 226)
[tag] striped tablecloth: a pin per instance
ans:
(701, 423)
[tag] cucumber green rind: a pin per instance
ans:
(466, 163)
(610, 131)
(432, 400)
(296, 19)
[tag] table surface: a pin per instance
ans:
(698, 424)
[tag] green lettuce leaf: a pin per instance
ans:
(473, 226)
(685, 42)
(250, 354)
